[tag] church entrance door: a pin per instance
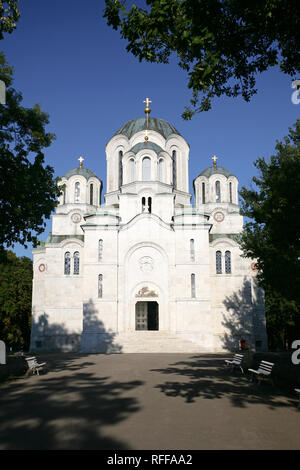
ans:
(146, 316)
(152, 315)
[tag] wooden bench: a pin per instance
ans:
(33, 365)
(236, 362)
(297, 390)
(264, 371)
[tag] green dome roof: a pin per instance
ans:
(80, 171)
(146, 145)
(158, 125)
(216, 170)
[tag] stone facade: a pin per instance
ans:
(146, 271)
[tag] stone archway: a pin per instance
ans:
(146, 280)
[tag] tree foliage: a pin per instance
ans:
(282, 320)
(221, 44)
(272, 235)
(28, 191)
(9, 15)
(15, 300)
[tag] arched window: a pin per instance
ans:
(147, 205)
(161, 170)
(120, 168)
(230, 192)
(203, 193)
(67, 263)
(76, 262)
(100, 249)
(218, 262)
(174, 164)
(77, 192)
(193, 286)
(100, 286)
(192, 249)
(146, 169)
(131, 170)
(218, 191)
(91, 194)
(227, 262)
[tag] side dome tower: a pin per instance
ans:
(215, 185)
(216, 194)
(81, 187)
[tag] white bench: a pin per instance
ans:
(33, 365)
(236, 362)
(264, 371)
(297, 390)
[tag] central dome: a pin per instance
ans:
(154, 124)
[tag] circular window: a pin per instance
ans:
(146, 264)
(253, 266)
(76, 218)
(219, 216)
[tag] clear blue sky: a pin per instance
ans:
(69, 61)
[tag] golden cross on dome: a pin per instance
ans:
(81, 159)
(147, 111)
(147, 108)
(215, 158)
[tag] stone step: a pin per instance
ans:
(140, 342)
(155, 341)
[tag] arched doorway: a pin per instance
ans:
(146, 316)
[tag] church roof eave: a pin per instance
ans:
(146, 146)
(80, 171)
(138, 217)
(214, 170)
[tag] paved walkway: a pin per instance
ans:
(144, 401)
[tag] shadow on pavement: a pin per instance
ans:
(207, 377)
(61, 411)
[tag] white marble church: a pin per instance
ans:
(146, 271)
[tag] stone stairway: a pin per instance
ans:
(154, 342)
